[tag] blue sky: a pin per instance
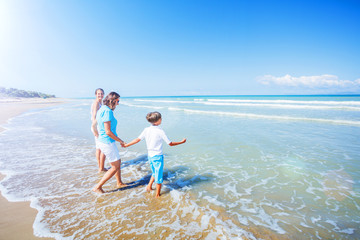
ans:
(181, 47)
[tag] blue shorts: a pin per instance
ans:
(157, 165)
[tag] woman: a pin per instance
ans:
(99, 95)
(107, 138)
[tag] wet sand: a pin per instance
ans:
(17, 217)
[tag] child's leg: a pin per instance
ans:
(158, 189)
(149, 186)
(159, 166)
(152, 179)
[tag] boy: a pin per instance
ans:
(154, 136)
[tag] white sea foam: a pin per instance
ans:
(140, 106)
(282, 104)
(162, 101)
(315, 219)
(285, 106)
(269, 117)
(258, 116)
(355, 103)
(293, 102)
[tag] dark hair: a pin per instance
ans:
(110, 100)
(99, 89)
(153, 117)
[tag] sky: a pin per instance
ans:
(180, 47)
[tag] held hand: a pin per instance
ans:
(122, 144)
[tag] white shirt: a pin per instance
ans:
(154, 137)
(91, 110)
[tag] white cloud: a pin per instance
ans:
(323, 81)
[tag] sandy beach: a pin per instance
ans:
(17, 217)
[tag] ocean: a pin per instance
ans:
(253, 167)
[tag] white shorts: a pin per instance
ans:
(110, 150)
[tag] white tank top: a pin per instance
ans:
(91, 111)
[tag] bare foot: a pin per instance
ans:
(102, 170)
(148, 189)
(98, 190)
(157, 196)
(121, 185)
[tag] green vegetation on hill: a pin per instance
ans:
(13, 92)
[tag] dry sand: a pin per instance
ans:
(16, 218)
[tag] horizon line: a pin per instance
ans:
(242, 95)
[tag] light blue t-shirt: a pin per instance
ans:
(105, 114)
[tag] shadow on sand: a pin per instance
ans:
(169, 175)
(136, 161)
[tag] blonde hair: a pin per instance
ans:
(111, 100)
(153, 117)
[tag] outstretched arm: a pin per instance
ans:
(177, 143)
(135, 141)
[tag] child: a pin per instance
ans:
(154, 136)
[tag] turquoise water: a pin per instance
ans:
(253, 167)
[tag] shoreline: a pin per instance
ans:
(17, 218)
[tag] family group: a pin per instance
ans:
(104, 129)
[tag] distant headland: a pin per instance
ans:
(13, 92)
